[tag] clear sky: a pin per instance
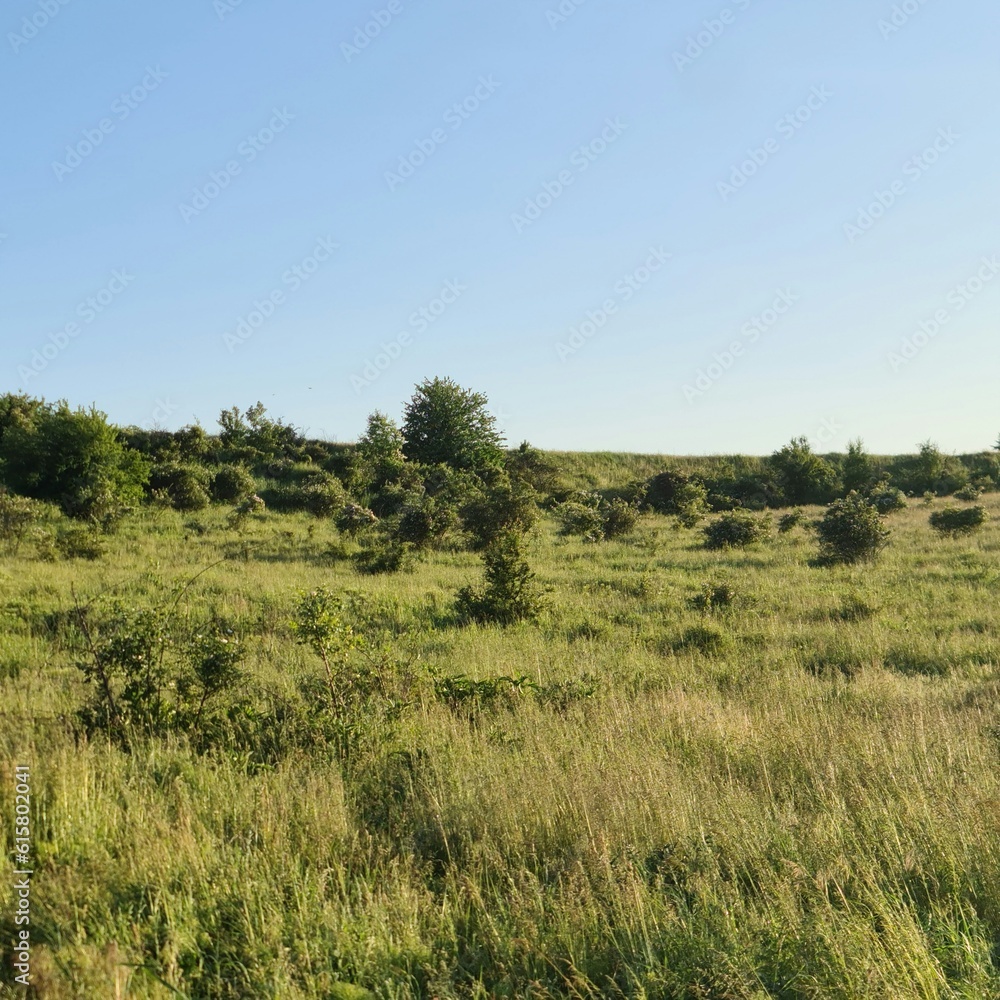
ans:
(634, 225)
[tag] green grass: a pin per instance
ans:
(795, 796)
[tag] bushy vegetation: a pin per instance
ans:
(372, 725)
(736, 530)
(958, 520)
(851, 531)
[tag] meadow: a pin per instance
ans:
(715, 775)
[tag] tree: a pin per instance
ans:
(858, 471)
(381, 451)
(804, 476)
(444, 423)
(74, 458)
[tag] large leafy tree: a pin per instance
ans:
(445, 423)
(74, 458)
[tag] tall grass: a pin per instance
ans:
(794, 795)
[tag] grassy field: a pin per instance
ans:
(794, 796)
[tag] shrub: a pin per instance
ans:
(958, 520)
(501, 506)
(324, 496)
(581, 515)
(510, 593)
(787, 522)
(593, 518)
(186, 485)
(661, 491)
(383, 555)
(851, 531)
(804, 476)
(887, 499)
(690, 503)
(18, 515)
(232, 483)
(73, 458)
(78, 542)
(244, 510)
(714, 597)
(353, 518)
(619, 518)
(736, 530)
(970, 493)
(424, 522)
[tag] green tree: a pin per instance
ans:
(445, 423)
(74, 458)
(804, 476)
(858, 470)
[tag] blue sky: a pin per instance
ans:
(683, 228)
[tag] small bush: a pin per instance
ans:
(690, 503)
(620, 518)
(887, 499)
(704, 639)
(323, 497)
(385, 555)
(736, 530)
(78, 542)
(958, 520)
(244, 510)
(969, 493)
(353, 519)
(851, 531)
(510, 593)
(18, 515)
(581, 515)
(232, 483)
(714, 597)
(186, 485)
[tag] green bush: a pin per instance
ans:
(73, 458)
(232, 483)
(510, 593)
(581, 515)
(887, 499)
(736, 530)
(186, 485)
(18, 516)
(619, 518)
(323, 496)
(958, 520)
(353, 519)
(851, 531)
(969, 493)
(690, 503)
(804, 477)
